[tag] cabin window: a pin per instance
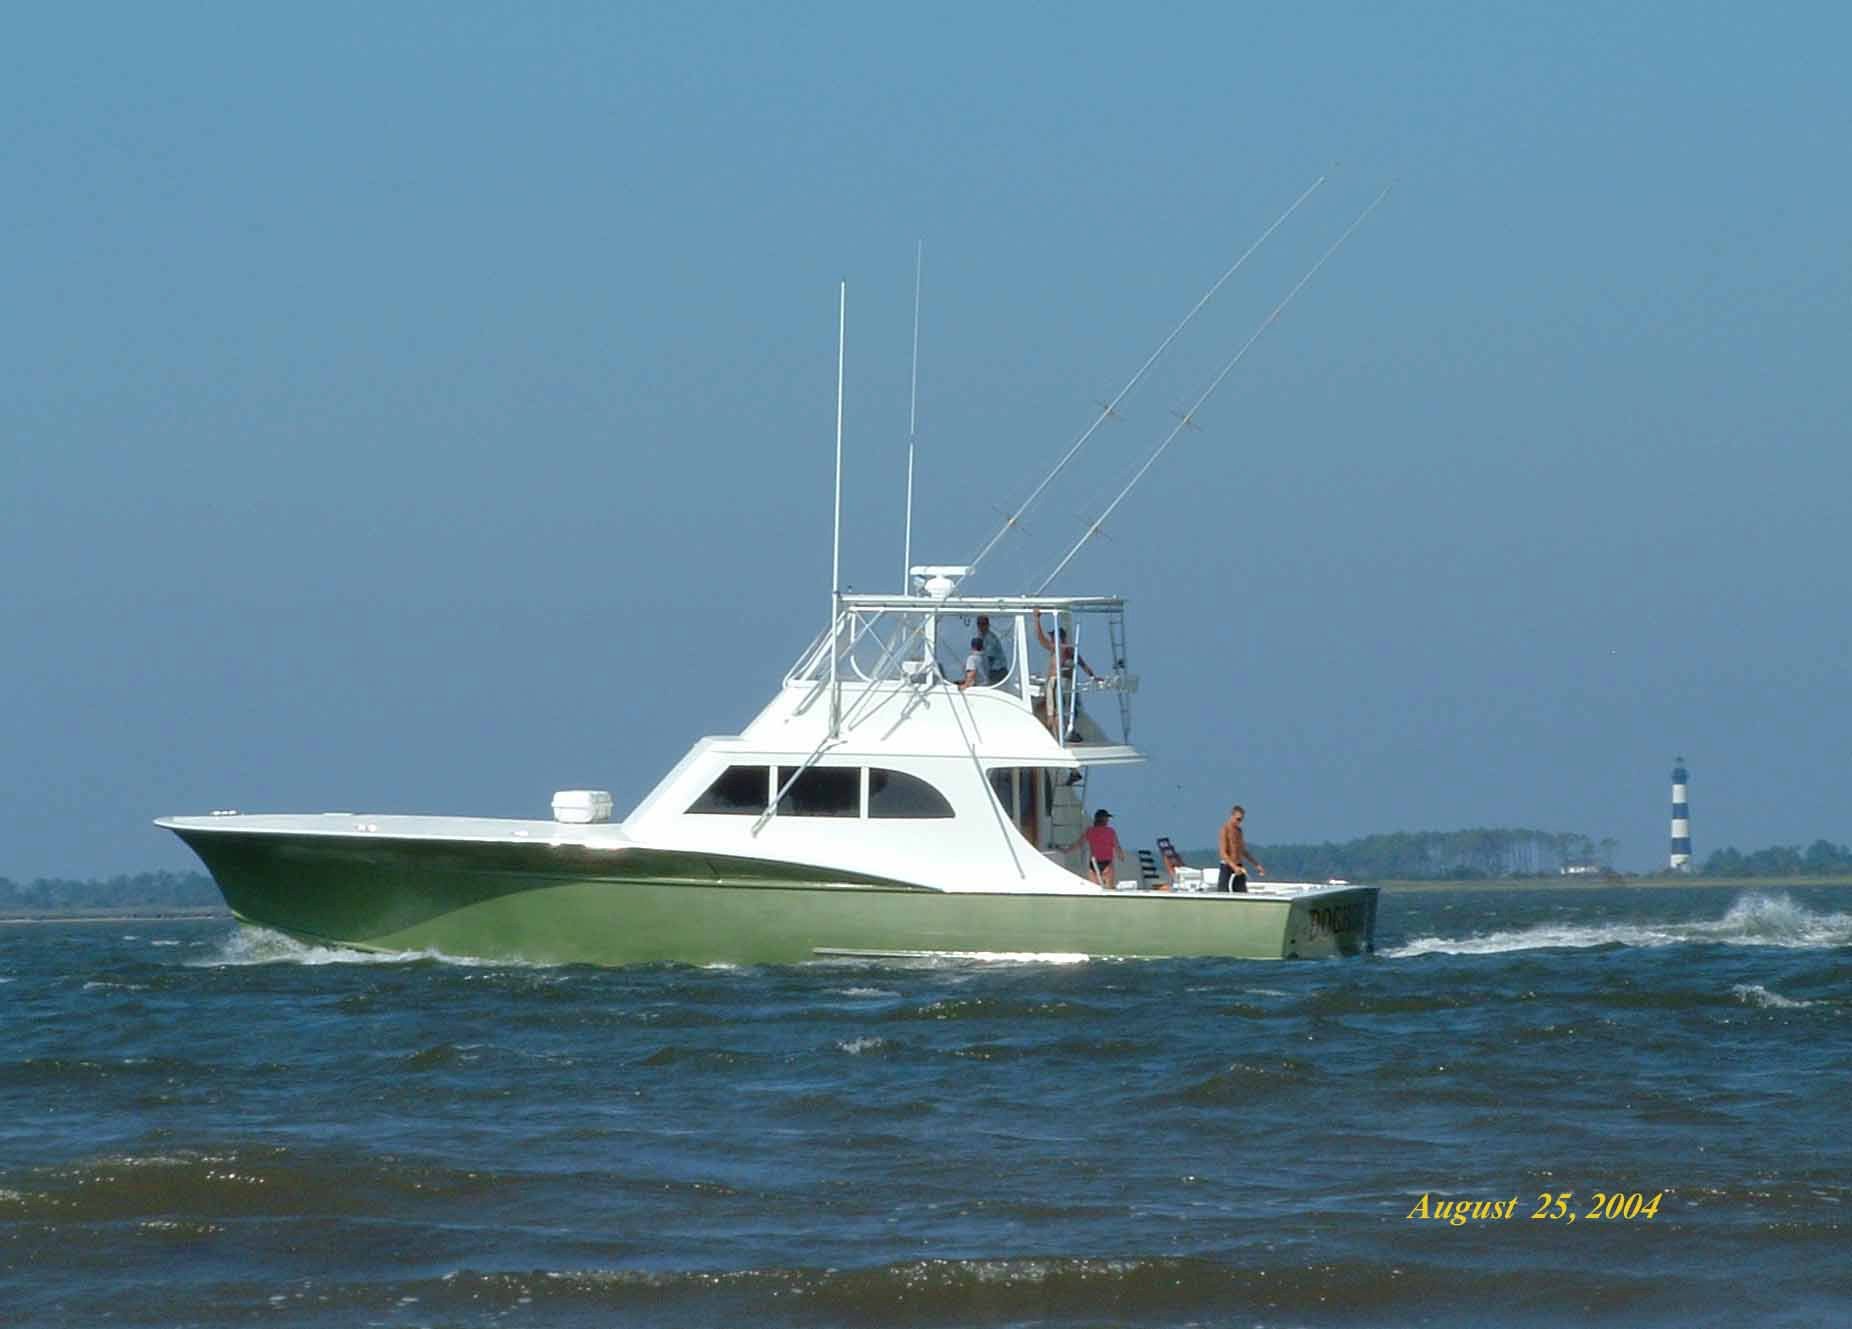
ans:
(821, 791)
(740, 791)
(897, 794)
(1003, 784)
(1027, 796)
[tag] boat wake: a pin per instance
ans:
(1753, 920)
(931, 959)
(253, 945)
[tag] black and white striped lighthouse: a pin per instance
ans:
(1681, 818)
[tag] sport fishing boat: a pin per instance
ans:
(880, 805)
(875, 807)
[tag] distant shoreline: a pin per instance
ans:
(124, 914)
(1573, 884)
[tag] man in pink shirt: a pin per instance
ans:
(1103, 849)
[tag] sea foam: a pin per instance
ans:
(1752, 920)
(251, 945)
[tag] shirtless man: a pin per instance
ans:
(1062, 657)
(1233, 876)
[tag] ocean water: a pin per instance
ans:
(202, 1125)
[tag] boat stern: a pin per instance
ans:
(1335, 920)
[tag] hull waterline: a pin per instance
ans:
(564, 904)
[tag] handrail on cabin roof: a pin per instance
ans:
(983, 604)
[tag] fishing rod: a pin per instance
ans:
(1187, 419)
(1108, 409)
(913, 414)
(842, 326)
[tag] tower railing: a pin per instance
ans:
(912, 641)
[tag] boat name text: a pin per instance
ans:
(1331, 919)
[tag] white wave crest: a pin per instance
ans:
(1754, 994)
(995, 957)
(252, 945)
(841, 959)
(1752, 920)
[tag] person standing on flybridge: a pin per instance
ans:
(1061, 661)
(974, 663)
(1103, 849)
(996, 659)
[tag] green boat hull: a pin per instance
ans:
(551, 904)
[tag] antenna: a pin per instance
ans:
(1187, 419)
(913, 412)
(842, 322)
(1107, 411)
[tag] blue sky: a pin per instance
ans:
(425, 407)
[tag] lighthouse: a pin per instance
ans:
(1681, 818)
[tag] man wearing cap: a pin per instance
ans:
(1103, 849)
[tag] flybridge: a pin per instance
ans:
(1043, 651)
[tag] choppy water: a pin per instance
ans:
(203, 1126)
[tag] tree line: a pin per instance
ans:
(1822, 858)
(1482, 854)
(1504, 854)
(142, 890)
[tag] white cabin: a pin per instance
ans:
(872, 754)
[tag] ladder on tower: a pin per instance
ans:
(1115, 632)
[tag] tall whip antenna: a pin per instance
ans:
(1188, 416)
(913, 413)
(1107, 410)
(842, 321)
